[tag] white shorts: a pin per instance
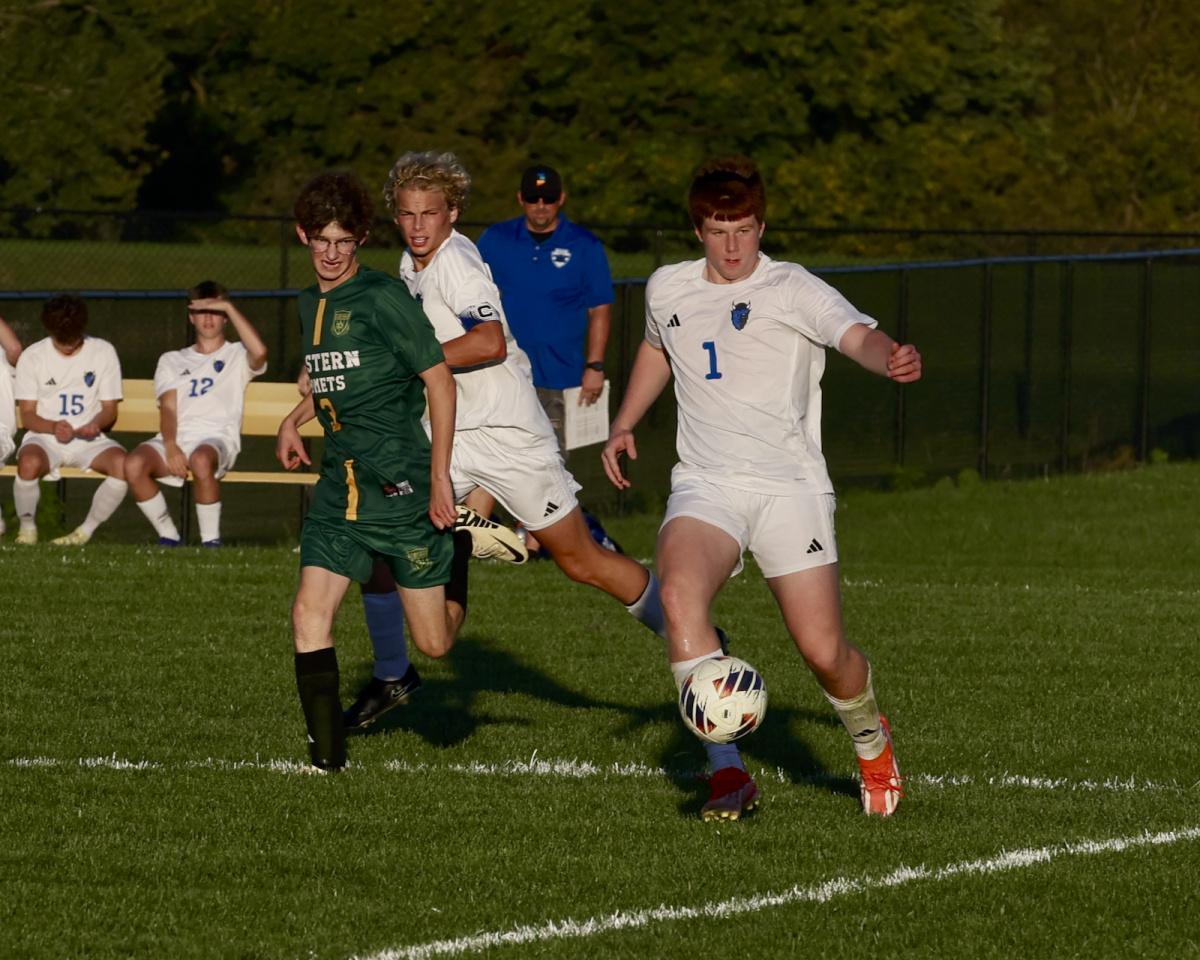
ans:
(7, 446)
(785, 533)
(77, 453)
(522, 470)
(225, 459)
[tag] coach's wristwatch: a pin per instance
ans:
(597, 365)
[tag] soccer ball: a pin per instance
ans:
(723, 699)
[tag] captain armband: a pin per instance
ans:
(480, 313)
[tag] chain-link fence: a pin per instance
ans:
(1033, 365)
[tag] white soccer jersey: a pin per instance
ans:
(457, 292)
(747, 359)
(210, 391)
(8, 408)
(69, 388)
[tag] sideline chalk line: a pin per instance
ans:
(575, 769)
(814, 893)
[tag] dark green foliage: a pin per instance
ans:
(964, 113)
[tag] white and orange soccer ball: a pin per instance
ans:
(723, 699)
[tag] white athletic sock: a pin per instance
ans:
(720, 755)
(159, 515)
(26, 494)
(105, 502)
(208, 517)
(647, 608)
(860, 717)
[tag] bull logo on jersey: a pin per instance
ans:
(218, 365)
(560, 257)
(341, 323)
(740, 315)
(89, 378)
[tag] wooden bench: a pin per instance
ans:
(266, 406)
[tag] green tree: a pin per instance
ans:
(1121, 113)
(82, 83)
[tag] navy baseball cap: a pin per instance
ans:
(541, 183)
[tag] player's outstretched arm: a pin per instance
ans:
(441, 394)
(289, 445)
(650, 375)
(874, 350)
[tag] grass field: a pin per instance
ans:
(1034, 645)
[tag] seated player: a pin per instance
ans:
(744, 337)
(384, 495)
(10, 352)
(68, 387)
(503, 441)
(201, 391)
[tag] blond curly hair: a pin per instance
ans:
(428, 170)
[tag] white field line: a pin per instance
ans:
(582, 770)
(571, 929)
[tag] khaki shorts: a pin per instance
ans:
(785, 533)
(418, 555)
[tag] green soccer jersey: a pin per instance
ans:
(365, 342)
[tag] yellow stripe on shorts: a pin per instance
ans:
(351, 492)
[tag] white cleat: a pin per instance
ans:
(490, 540)
(76, 538)
(27, 536)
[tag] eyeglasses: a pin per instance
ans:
(343, 246)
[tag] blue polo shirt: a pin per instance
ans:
(547, 289)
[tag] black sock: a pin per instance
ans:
(317, 681)
(456, 589)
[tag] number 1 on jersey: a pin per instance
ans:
(713, 372)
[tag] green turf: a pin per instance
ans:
(1033, 644)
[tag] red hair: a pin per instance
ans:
(727, 188)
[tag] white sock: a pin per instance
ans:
(860, 717)
(108, 497)
(720, 755)
(647, 608)
(159, 515)
(26, 494)
(208, 516)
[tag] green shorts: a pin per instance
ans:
(417, 556)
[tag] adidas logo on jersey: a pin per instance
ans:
(52, 382)
(815, 546)
(551, 506)
(674, 321)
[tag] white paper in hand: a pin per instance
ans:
(585, 425)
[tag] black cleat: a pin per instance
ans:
(723, 639)
(380, 696)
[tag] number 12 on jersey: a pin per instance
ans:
(713, 372)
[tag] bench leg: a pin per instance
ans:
(185, 513)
